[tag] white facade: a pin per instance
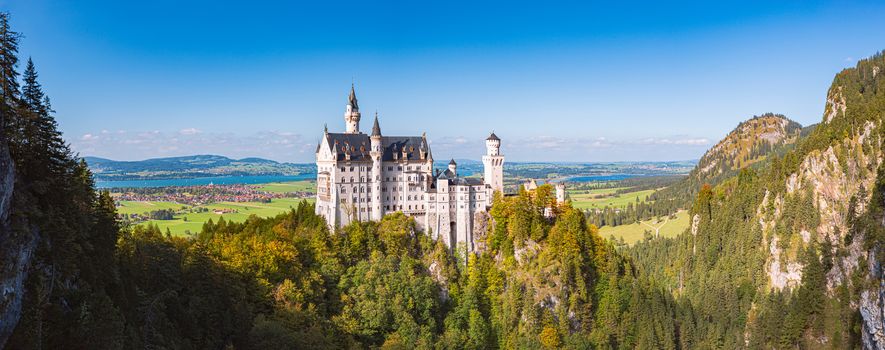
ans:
(361, 177)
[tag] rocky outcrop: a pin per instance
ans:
(15, 250)
(872, 309)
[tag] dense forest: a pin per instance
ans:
(782, 254)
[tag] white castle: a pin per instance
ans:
(361, 177)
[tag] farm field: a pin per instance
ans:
(588, 200)
(633, 233)
(593, 192)
(139, 207)
(292, 186)
(186, 224)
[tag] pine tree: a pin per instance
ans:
(8, 77)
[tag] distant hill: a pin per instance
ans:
(190, 166)
(750, 144)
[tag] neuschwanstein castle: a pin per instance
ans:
(362, 177)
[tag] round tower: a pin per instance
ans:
(493, 164)
(352, 113)
(493, 145)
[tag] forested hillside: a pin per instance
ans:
(788, 254)
(749, 144)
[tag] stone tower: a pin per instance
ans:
(493, 163)
(560, 193)
(352, 114)
(375, 153)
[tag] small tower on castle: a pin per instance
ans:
(352, 113)
(453, 167)
(560, 193)
(493, 164)
(376, 153)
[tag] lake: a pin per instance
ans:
(592, 178)
(217, 180)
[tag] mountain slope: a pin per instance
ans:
(749, 144)
(788, 253)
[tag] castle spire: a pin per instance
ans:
(351, 100)
(376, 129)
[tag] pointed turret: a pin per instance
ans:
(351, 100)
(376, 129)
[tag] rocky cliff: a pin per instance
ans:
(835, 179)
(15, 249)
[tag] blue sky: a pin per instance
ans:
(565, 82)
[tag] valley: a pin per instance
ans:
(768, 234)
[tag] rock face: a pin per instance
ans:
(872, 309)
(15, 251)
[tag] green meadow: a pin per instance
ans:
(186, 222)
(134, 207)
(601, 198)
(632, 233)
(189, 223)
(286, 187)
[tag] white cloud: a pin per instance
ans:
(189, 131)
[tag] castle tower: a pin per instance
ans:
(376, 153)
(560, 193)
(352, 114)
(453, 167)
(493, 164)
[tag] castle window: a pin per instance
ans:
(399, 168)
(351, 168)
(343, 190)
(342, 168)
(390, 168)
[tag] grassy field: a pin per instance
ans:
(190, 223)
(130, 207)
(635, 232)
(593, 192)
(286, 187)
(589, 201)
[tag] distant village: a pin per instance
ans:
(206, 194)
